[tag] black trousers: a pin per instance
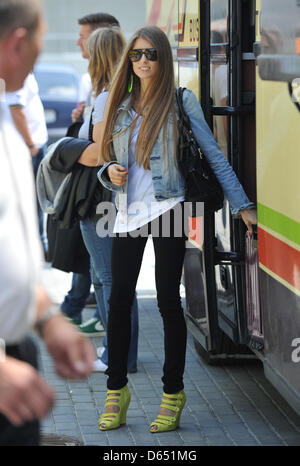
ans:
(127, 254)
(29, 433)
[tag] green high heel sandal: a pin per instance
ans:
(165, 423)
(110, 421)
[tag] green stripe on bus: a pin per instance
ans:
(279, 223)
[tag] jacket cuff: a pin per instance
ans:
(104, 180)
(248, 206)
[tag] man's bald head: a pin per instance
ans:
(16, 14)
(21, 34)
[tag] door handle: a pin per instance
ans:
(228, 258)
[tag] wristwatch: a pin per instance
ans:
(54, 310)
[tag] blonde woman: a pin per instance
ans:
(139, 141)
(105, 46)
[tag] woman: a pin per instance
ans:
(105, 46)
(139, 141)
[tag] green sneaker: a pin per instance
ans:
(76, 321)
(73, 321)
(92, 328)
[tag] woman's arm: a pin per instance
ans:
(90, 157)
(98, 131)
(238, 200)
(232, 188)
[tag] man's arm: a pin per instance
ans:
(21, 123)
(85, 89)
(78, 111)
(73, 354)
(24, 395)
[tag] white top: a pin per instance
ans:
(85, 87)
(20, 247)
(86, 95)
(28, 97)
(141, 207)
(97, 116)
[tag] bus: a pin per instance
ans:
(242, 60)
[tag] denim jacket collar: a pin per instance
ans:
(125, 105)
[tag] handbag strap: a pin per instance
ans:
(91, 126)
(186, 124)
(182, 113)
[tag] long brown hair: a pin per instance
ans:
(105, 47)
(157, 102)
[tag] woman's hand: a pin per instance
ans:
(250, 218)
(117, 174)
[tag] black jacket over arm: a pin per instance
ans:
(67, 251)
(84, 191)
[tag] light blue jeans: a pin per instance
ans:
(100, 253)
(74, 301)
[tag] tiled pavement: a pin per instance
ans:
(225, 405)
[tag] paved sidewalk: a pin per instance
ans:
(225, 405)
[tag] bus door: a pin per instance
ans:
(232, 95)
(227, 94)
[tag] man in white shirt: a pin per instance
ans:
(29, 118)
(24, 395)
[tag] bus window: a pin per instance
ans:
(188, 45)
(219, 69)
(189, 75)
(219, 17)
(280, 31)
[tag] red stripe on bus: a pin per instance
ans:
(279, 257)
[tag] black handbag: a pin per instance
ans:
(201, 184)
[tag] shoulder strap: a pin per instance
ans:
(182, 113)
(91, 126)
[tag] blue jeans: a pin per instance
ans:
(36, 160)
(100, 252)
(74, 301)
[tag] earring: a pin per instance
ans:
(130, 85)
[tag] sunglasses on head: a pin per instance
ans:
(136, 54)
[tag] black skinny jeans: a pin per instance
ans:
(127, 254)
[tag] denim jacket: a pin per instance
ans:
(167, 180)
